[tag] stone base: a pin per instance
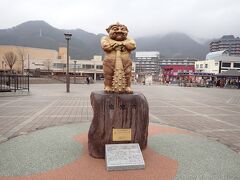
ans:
(117, 111)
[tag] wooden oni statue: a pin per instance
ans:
(120, 115)
(117, 65)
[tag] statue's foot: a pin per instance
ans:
(108, 89)
(129, 90)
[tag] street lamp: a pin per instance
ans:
(75, 71)
(2, 64)
(28, 64)
(67, 37)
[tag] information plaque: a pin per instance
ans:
(123, 157)
(121, 135)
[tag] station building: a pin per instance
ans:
(39, 61)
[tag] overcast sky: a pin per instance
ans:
(197, 18)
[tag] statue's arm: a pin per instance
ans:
(130, 44)
(110, 45)
(106, 44)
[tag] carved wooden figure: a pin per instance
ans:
(117, 65)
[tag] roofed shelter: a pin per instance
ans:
(230, 73)
(230, 78)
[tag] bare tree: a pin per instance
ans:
(10, 58)
(48, 64)
(22, 54)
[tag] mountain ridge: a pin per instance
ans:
(84, 45)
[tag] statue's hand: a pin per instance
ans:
(115, 45)
(119, 46)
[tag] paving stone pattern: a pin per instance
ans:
(212, 112)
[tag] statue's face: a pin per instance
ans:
(118, 33)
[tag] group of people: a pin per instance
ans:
(229, 83)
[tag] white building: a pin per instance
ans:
(146, 54)
(93, 67)
(217, 62)
(147, 62)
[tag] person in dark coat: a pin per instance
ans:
(88, 80)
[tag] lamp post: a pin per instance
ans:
(2, 65)
(95, 72)
(75, 71)
(28, 64)
(67, 37)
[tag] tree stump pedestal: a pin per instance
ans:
(117, 111)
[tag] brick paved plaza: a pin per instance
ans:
(212, 112)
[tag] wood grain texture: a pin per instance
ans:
(117, 111)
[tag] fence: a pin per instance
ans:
(14, 82)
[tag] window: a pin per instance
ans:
(99, 67)
(216, 64)
(236, 65)
(206, 65)
(59, 65)
(88, 66)
(197, 65)
(201, 65)
(224, 64)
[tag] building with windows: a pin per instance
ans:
(162, 68)
(47, 61)
(217, 62)
(170, 73)
(24, 54)
(147, 62)
(227, 42)
(93, 67)
(170, 67)
(176, 61)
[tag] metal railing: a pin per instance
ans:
(14, 82)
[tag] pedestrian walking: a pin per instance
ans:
(88, 80)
